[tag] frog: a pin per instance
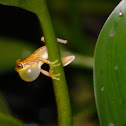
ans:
(29, 68)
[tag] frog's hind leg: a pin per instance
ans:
(58, 40)
(67, 60)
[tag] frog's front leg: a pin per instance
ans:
(51, 64)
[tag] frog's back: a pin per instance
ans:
(40, 52)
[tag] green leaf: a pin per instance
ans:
(6, 120)
(34, 6)
(110, 69)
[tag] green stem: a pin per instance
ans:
(60, 86)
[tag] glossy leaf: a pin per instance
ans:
(110, 69)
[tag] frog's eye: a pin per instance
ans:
(30, 73)
(19, 66)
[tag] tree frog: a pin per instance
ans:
(29, 68)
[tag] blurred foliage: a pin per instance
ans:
(3, 105)
(78, 21)
(12, 51)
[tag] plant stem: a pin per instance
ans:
(60, 86)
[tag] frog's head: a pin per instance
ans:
(27, 71)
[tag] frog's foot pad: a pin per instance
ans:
(54, 64)
(55, 76)
(50, 74)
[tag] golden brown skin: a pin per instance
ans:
(33, 58)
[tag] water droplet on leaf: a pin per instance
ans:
(111, 124)
(120, 13)
(116, 67)
(112, 33)
(102, 89)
